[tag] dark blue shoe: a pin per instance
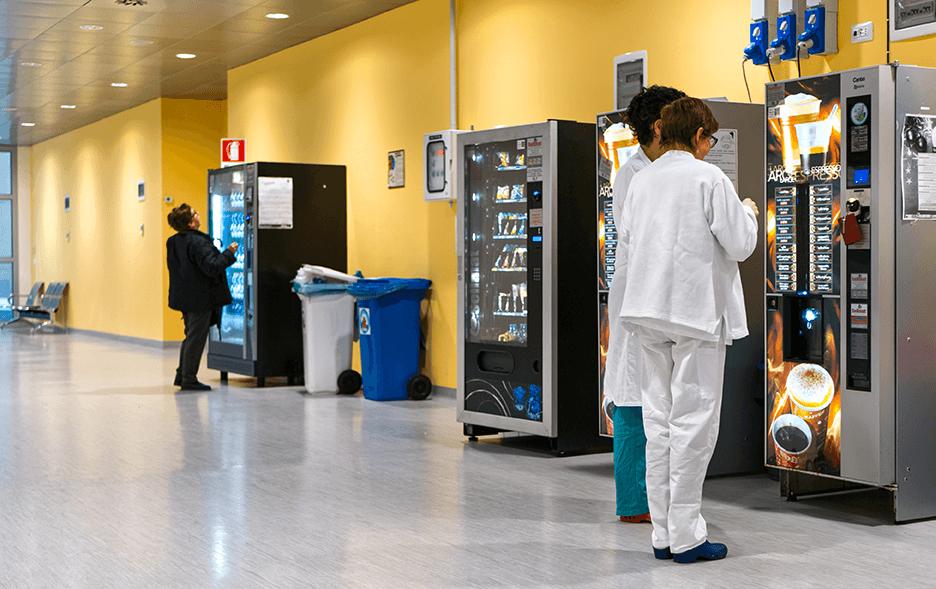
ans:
(662, 554)
(705, 551)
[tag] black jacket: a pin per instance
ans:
(196, 272)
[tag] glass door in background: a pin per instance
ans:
(8, 284)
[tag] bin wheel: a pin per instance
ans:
(349, 382)
(419, 387)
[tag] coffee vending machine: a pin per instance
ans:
(526, 314)
(741, 130)
(850, 283)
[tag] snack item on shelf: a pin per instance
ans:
(503, 159)
(521, 159)
(517, 192)
(503, 193)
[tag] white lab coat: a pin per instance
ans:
(685, 230)
(622, 379)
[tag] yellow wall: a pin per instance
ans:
(527, 60)
(349, 98)
(98, 247)
(191, 136)
(116, 275)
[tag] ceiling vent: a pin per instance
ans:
(131, 2)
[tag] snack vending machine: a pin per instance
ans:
(283, 216)
(526, 322)
(739, 448)
(851, 212)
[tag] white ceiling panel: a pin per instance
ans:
(55, 52)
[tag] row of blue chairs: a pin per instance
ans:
(41, 308)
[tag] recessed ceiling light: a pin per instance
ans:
(30, 64)
(119, 84)
(91, 28)
(277, 16)
(10, 109)
(68, 106)
(141, 42)
(27, 124)
(186, 55)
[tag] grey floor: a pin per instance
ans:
(108, 478)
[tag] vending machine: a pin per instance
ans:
(851, 333)
(526, 318)
(283, 216)
(739, 448)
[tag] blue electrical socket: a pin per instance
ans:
(757, 50)
(786, 36)
(814, 29)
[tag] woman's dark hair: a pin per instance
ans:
(181, 217)
(683, 118)
(645, 108)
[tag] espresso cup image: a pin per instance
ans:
(795, 110)
(792, 438)
(811, 389)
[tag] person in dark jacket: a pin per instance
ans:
(197, 287)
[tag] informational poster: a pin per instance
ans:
(396, 169)
(918, 167)
(275, 202)
(725, 154)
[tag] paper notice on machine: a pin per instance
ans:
(275, 202)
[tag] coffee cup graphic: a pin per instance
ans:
(812, 139)
(793, 439)
(811, 389)
(622, 143)
(796, 109)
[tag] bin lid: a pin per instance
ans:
(311, 289)
(369, 288)
(309, 273)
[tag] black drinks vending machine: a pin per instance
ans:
(526, 321)
(283, 216)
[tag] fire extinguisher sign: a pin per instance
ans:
(233, 151)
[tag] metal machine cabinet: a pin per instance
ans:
(851, 203)
(283, 216)
(526, 314)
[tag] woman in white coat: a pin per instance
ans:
(622, 378)
(686, 230)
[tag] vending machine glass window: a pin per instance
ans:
(496, 183)
(226, 225)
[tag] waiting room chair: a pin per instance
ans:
(30, 301)
(49, 308)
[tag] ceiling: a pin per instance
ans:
(69, 52)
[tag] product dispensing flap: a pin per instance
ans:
(851, 230)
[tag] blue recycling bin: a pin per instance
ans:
(388, 325)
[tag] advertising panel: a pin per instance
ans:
(804, 168)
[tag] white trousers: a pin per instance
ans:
(681, 387)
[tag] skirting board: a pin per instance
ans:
(150, 343)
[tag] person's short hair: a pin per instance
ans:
(645, 108)
(181, 217)
(683, 118)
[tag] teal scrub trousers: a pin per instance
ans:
(630, 461)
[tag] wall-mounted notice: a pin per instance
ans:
(396, 169)
(918, 167)
(275, 203)
(725, 154)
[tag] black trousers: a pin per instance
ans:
(193, 346)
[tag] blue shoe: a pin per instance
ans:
(662, 554)
(705, 551)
